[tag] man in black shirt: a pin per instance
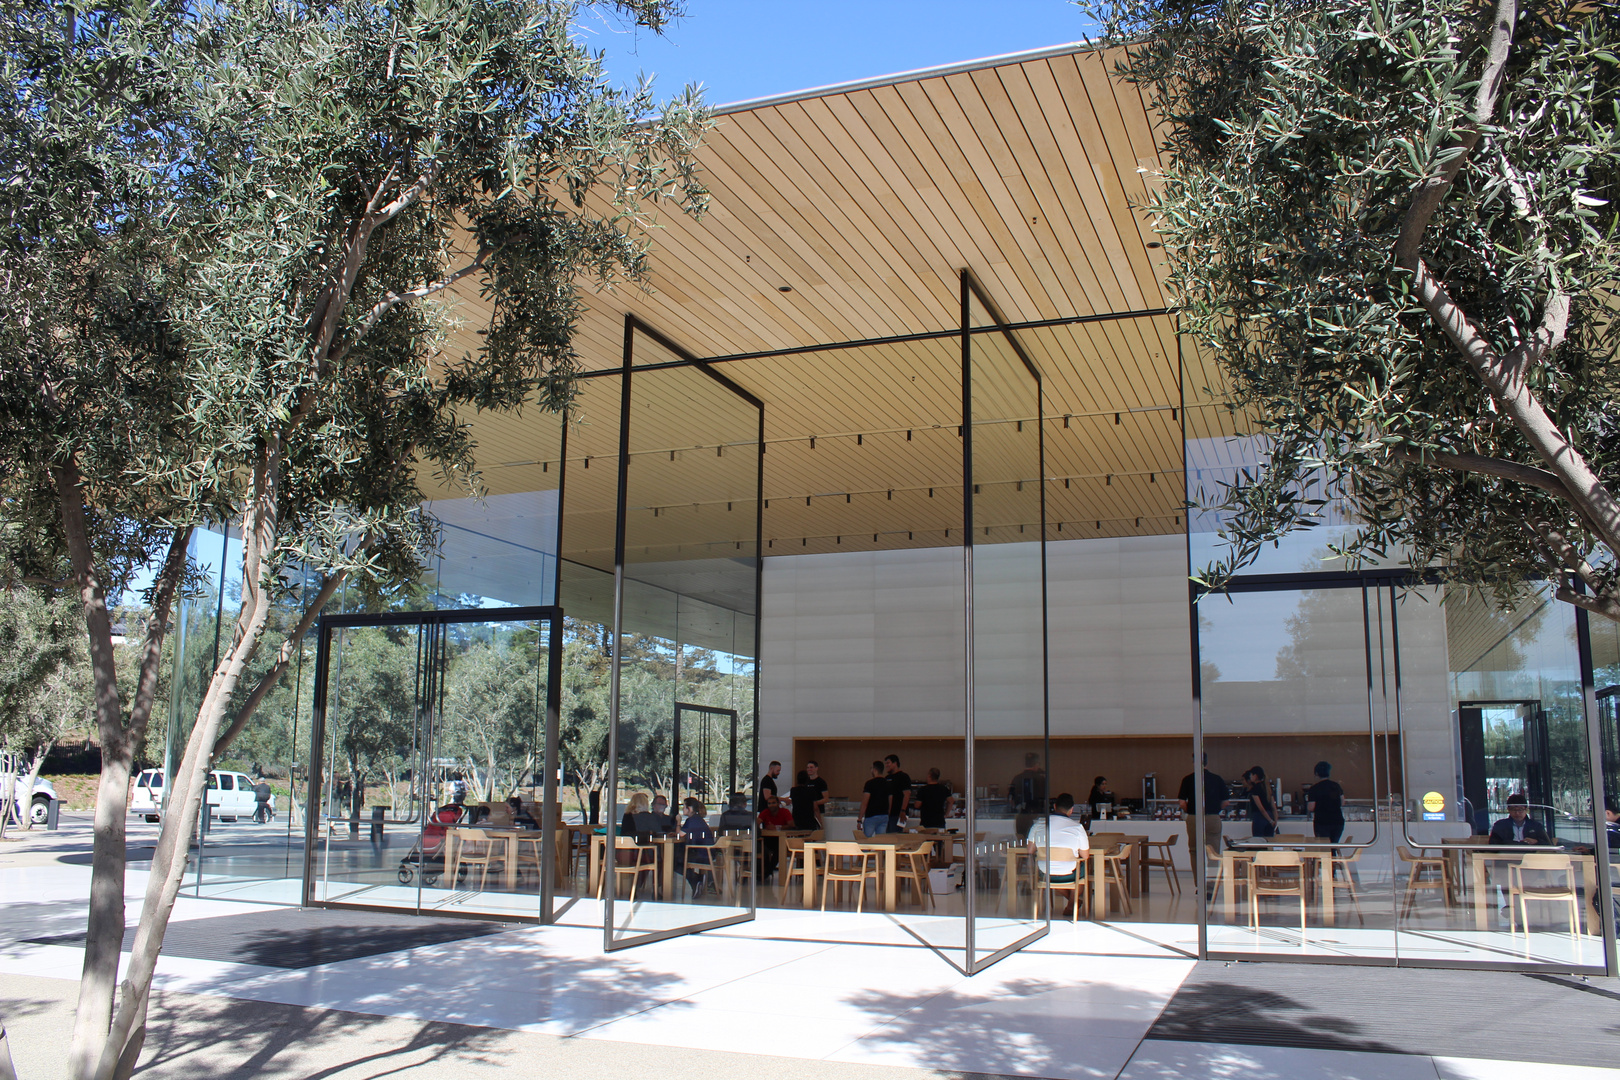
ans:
(1325, 803)
(767, 783)
(1215, 792)
(820, 784)
(874, 812)
(1611, 814)
(899, 792)
(933, 802)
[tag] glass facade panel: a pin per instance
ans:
(1491, 710)
(1007, 652)
(680, 845)
(1287, 817)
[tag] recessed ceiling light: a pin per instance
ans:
(784, 288)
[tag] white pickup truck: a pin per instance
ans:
(36, 805)
(230, 795)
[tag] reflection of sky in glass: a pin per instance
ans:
(1241, 639)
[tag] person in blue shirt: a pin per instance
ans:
(697, 833)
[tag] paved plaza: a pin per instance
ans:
(243, 993)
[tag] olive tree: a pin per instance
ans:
(1393, 224)
(230, 235)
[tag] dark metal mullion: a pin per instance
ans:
(551, 750)
(688, 360)
(317, 735)
(1195, 859)
(1603, 902)
(610, 854)
(1046, 677)
(759, 589)
(970, 886)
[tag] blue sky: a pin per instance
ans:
(742, 50)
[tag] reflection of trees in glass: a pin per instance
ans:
(1316, 632)
(654, 673)
(371, 711)
(493, 705)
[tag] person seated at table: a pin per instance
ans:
(520, 814)
(1519, 827)
(735, 817)
(934, 802)
(1059, 830)
(774, 816)
(657, 821)
(1611, 814)
(803, 797)
(639, 805)
(695, 830)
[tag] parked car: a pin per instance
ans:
(230, 795)
(35, 805)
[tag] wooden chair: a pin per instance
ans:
(794, 866)
(1240, 864)
(1165, 860)
(1077, 886)
(1276, 873)
(847, 862)
(475, 847)
(1115, 875)
(912, 866)
(646, 862)
(714, 868)
(528, 854)
(1417, 876)
(1521, 892)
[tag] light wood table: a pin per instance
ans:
(1480, 855)
(453, 836)
(888, 854)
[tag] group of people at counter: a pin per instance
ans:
(888, 799)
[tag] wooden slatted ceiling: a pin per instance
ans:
(868, 203)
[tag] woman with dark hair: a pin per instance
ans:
(1262, 807)
(804, 795)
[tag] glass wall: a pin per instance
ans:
(1457, 788)
(429, 772)
(1007, 727)
(686, 597)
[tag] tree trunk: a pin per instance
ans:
(121, 1046)
(104, 936)
(33, 778)
(7, 1070)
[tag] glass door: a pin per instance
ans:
(428, 762)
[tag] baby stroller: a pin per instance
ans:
(428, 851)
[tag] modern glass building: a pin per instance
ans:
(893, 457)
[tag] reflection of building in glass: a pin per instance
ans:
(894, 460)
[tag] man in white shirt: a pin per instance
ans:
(1060, 831)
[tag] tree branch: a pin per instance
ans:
(1488, 466)
(283, 659)
(1603, 604)
(393, 300)
(1432, 192)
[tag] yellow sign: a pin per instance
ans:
(1434, 802)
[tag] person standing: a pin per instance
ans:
(820, 784)
(1258, 801)
(899, 792)
(1325, 803)
(873, 818)
(767, 783)
(1026, 794)
(1215, 793)
(1100, 794)
(803, 797)
(934, 802)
